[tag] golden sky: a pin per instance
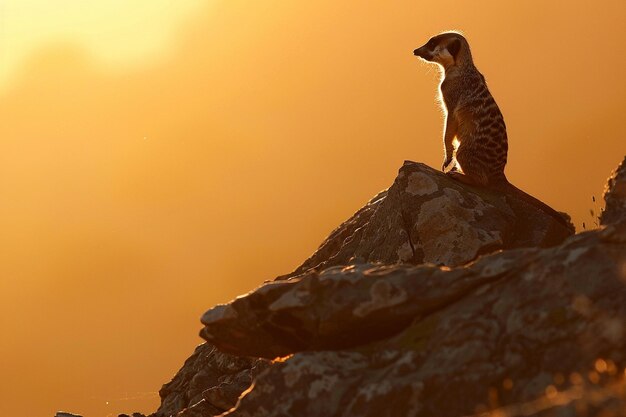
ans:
(158, 157)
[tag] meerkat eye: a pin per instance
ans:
(454, 47)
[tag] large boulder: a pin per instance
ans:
(428, 217)
(504, 330)
(434, 299)
(425, 217)
(341, 307)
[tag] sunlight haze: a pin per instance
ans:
(159, 157)
(119, 33)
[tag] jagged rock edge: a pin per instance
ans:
(476, 286)
(366, 210)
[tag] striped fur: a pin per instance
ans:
(473, 119)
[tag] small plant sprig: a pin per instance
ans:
(595, 213)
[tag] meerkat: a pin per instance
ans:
(475, 138)
(472, 116)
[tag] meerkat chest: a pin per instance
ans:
(450, 95)
(456, 90)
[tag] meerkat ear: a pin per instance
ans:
(454, 47)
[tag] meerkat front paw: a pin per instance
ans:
(446, 163)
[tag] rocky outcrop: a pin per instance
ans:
(428, 217)
(434, 299)
(522, 316)
(341, 307)
(424, 217)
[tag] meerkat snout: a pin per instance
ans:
(441, 49)
(422, 53)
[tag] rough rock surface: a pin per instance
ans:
(427, 217)
(371, 326)
(524, 315)
(342, 307)
(208, 384)
(615, 196)
(424, 217)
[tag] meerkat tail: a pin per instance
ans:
(503, 185)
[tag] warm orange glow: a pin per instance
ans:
(576, 379)
(593, 376)
(551, 392)
(149, 173)
(281, 359)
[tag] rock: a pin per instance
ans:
(434, 299)
(519, 320)
(615, 196)
(427, 217)
(340, 308)
(65, 414)
(208, 384)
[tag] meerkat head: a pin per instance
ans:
(447, 49)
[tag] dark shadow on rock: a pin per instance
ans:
(208, 384)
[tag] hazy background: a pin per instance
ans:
(158, 157)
